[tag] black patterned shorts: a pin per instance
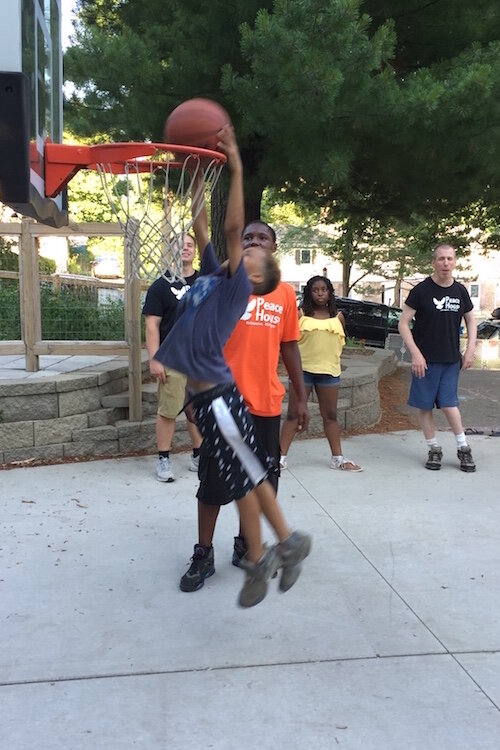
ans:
(228, 436)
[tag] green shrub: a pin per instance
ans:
(9, 261)
(69, 315)
(355, 343)
(10, 314)
(47, 266)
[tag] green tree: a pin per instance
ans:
(373, 110)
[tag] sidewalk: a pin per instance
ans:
(12, 366)
(390, 640)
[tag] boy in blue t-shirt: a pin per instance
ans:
(194, 346)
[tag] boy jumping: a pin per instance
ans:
(194, 346)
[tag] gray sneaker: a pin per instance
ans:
(465, 457)
(434, 458)
(164, 472)
(292, 552)
(257, 577)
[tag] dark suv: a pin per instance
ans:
(367, 321)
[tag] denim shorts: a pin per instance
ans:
(439, 387)
(312, 379)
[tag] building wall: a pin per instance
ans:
(481, 277)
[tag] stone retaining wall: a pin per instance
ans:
(85, 414)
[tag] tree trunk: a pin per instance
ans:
(397, 292)
(346, 275)
(253, 197)
(217, 217)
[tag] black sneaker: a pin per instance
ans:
(434, 458)
(465, 457)
(239, 550)
(202, 566)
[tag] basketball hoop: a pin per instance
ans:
(133, 175)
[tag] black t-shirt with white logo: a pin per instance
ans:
(438, 313)
(162, 299)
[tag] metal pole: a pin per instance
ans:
(133, 319)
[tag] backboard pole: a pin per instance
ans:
(29, 276)
(133, 320)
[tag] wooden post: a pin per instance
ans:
(133, 319)
(29, 284)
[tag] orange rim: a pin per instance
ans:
(63, 161)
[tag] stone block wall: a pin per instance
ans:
(85, 414)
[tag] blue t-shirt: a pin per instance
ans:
(208, 313)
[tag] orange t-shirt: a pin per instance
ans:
(253, 349)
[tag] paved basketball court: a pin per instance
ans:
(390, 638)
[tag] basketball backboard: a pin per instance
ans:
(30, 105)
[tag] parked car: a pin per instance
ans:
(489, 329)
(366, 321)
(107, 267)
(394, 316)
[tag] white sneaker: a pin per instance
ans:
(164, 470)
(194, 463)
(283, 462)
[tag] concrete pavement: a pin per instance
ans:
(389, 640)
(479, 397)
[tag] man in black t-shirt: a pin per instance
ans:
(437, 306)
(160, 310)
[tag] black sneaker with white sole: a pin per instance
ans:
(202, 567)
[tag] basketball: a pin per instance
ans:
(196, 122)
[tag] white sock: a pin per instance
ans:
(337, 459)
(432, 441)
(461, 440)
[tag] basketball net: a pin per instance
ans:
(155, 230)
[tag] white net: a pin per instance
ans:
(156, 200)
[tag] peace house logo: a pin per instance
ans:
(447, 304)
(263, 312)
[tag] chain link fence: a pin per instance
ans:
(75, 308)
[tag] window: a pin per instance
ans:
(474, 290)
(303, 255)
(42, 63)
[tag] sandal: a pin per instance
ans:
(345, 465)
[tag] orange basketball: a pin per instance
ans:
(196, 122)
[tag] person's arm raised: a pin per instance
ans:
(235, 211)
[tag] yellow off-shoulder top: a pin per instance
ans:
(321, 343)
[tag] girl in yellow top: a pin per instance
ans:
(322, 338)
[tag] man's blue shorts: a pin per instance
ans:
(312, 379)
(438, 388)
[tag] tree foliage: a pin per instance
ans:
(374, 112)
